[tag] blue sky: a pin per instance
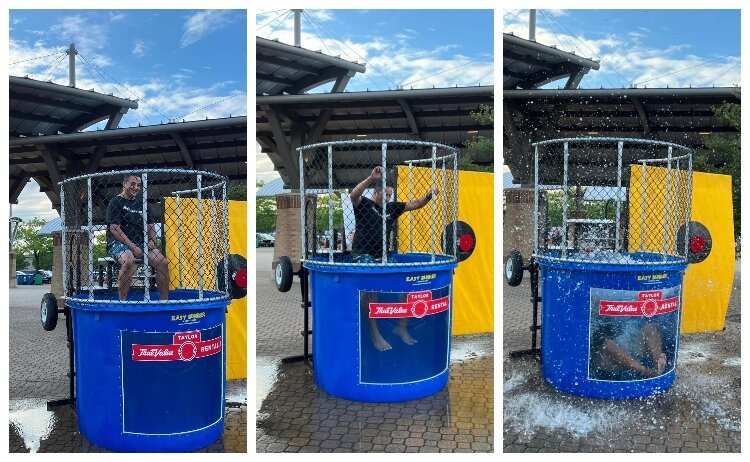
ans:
(642, 46)
(189, 64)
(410, 48)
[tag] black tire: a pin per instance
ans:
(48, 311)
(514, 268)
(283, 274)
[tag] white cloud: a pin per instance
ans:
(140, 48)
(88, 34)
(263, 166)
(627, 58)
(116, 16)
(391, 61)
(203, 23)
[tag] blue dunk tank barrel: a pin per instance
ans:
(410, 307)
(593, 312)
(151, 377)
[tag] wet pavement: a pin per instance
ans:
(699, 413)
(293, 415)
(38, 367)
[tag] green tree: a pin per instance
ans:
(321, 214)
(725, 155)
(265, 211)
(30, 243)
(237, 191)
(480, 144)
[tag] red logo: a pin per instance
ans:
(649, 304)
(185, 346)
(418, 305)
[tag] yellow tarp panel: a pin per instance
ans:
(648, 214)
(707, 285)
(183, 227)
(473, 282)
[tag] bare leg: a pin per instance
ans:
(159, 263)
(617, 354)
(378, 341)
(125, 279)
(653, 339)
(402, 331)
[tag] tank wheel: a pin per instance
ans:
(514, 268)
(284, 274)
(49, 311)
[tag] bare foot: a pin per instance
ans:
(661, 363)
(380, 343)
(402, 332)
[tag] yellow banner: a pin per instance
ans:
(182, 237)
(473, 282)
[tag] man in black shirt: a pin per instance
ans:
(125, 238)
(368, 236)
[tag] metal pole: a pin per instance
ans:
(225, 234)
(643, 206)
(72, 65)
(675, 226)
(689, 201)
(411, 212)
(200, 237)
(442, 203)
(146, 268)
(665, 239)
(565, 201)
(297, 28)
(455, 204)
(536, 199)
(213, 232)
(303, 203)
(91, 241)
(432, 205)
(619, 186)
(383, 153)
(330, 203)
(532, 25)
(179, 240)
(63, 236)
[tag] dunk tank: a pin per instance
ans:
(380, 247)
(612, 241)
(147, 340)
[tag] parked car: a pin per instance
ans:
(263, 240)
(46, 276)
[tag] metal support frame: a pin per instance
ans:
(533, 269)
(306, 332)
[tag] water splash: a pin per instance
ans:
(32, 421)
(514, 381)
(266, 371)
(694, 352)
(467, 349)
(529, 412)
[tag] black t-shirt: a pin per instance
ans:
(368, 219)
(128, 213)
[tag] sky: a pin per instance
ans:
(179, 64)
(409, 48)
(646, 48)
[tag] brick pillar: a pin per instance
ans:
(518, 222)
(72, 263)
(12, 270)
(287, 230)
